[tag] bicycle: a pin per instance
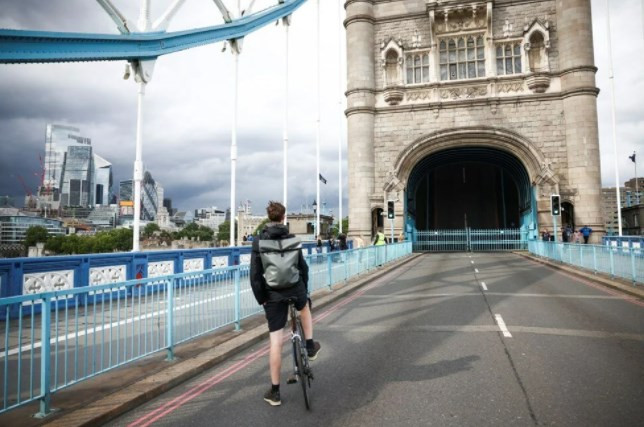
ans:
(302, 372)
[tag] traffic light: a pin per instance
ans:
(390, 210)
(555, 205)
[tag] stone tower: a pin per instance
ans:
(471, 114)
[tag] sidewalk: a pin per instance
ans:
(103, 398)
(618, 284)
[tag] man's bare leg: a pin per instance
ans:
(307, 322)
(275, 356)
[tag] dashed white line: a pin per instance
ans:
(484, 286)
(476, 270)
(501, 323)
(472, 261)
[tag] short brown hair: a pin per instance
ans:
(275, 211)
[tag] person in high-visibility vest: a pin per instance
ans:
(380, 239)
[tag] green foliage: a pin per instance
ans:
(118, 240)
(260, 227)
(150, 229)
(197, 232)
(35, 234)
(345, 227)
(224, 231)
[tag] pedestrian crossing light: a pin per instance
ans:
(390, 210)
(555, 205)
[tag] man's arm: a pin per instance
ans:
(257, 281)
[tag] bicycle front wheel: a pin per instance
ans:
(302, 372)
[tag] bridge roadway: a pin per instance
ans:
(423, 345)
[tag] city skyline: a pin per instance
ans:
(187, 132)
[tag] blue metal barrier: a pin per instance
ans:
(470, 240)
(617, 261)
(69, 335)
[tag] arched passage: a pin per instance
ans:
(477, 187)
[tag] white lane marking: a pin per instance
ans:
(484, 286)
(476, 270)
(472, 261)
(501, 323)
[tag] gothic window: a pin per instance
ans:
(508, 59)
(462, 58)
(417, 68)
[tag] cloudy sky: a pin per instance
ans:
(187, 112)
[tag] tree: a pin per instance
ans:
(261, 226)
(224, 231)
(150, 229)
(36, 234)
(345, 227)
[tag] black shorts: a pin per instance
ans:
(277, 311)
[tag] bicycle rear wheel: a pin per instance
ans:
(302, 372)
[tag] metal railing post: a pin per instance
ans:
(612, 265)
(237, 299)
(595, 258)
(45, 359)
(170, 320)
(634, 272)
(329, 269)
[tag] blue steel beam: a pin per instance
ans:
(25, 46)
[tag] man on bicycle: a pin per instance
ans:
(273, 295)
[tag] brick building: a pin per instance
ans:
(471, 114)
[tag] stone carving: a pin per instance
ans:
(219, 262)
(108, 274)
(194, 264)
(160, 268)
(244, 259)
(461, 19)
(464, 92)
(35, 283)
(509, 87)
(393, 95)
(419, 95)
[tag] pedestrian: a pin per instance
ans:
(585, 231)
(380, 238)
(278, 271)
(331, 244)
(318, 248)
(567, 234)
(576, 236)
(545, 236)
(342, 238)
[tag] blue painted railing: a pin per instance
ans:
(622, 262)
(91, 329)
(470, 240)
(22, 275)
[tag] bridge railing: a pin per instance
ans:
(65, 336)
(622, 262)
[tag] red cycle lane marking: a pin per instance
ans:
(202, 387)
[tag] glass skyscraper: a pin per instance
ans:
(151, 197)
(73, 174)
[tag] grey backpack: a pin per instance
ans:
(280, 260)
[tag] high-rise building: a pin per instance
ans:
(77, 177)
(73, 174)
(102, 181)
(150, 202)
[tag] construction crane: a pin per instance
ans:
(24, 186)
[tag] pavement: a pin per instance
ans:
(621, 285)
(102, 398)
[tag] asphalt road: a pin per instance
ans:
(449, 339)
